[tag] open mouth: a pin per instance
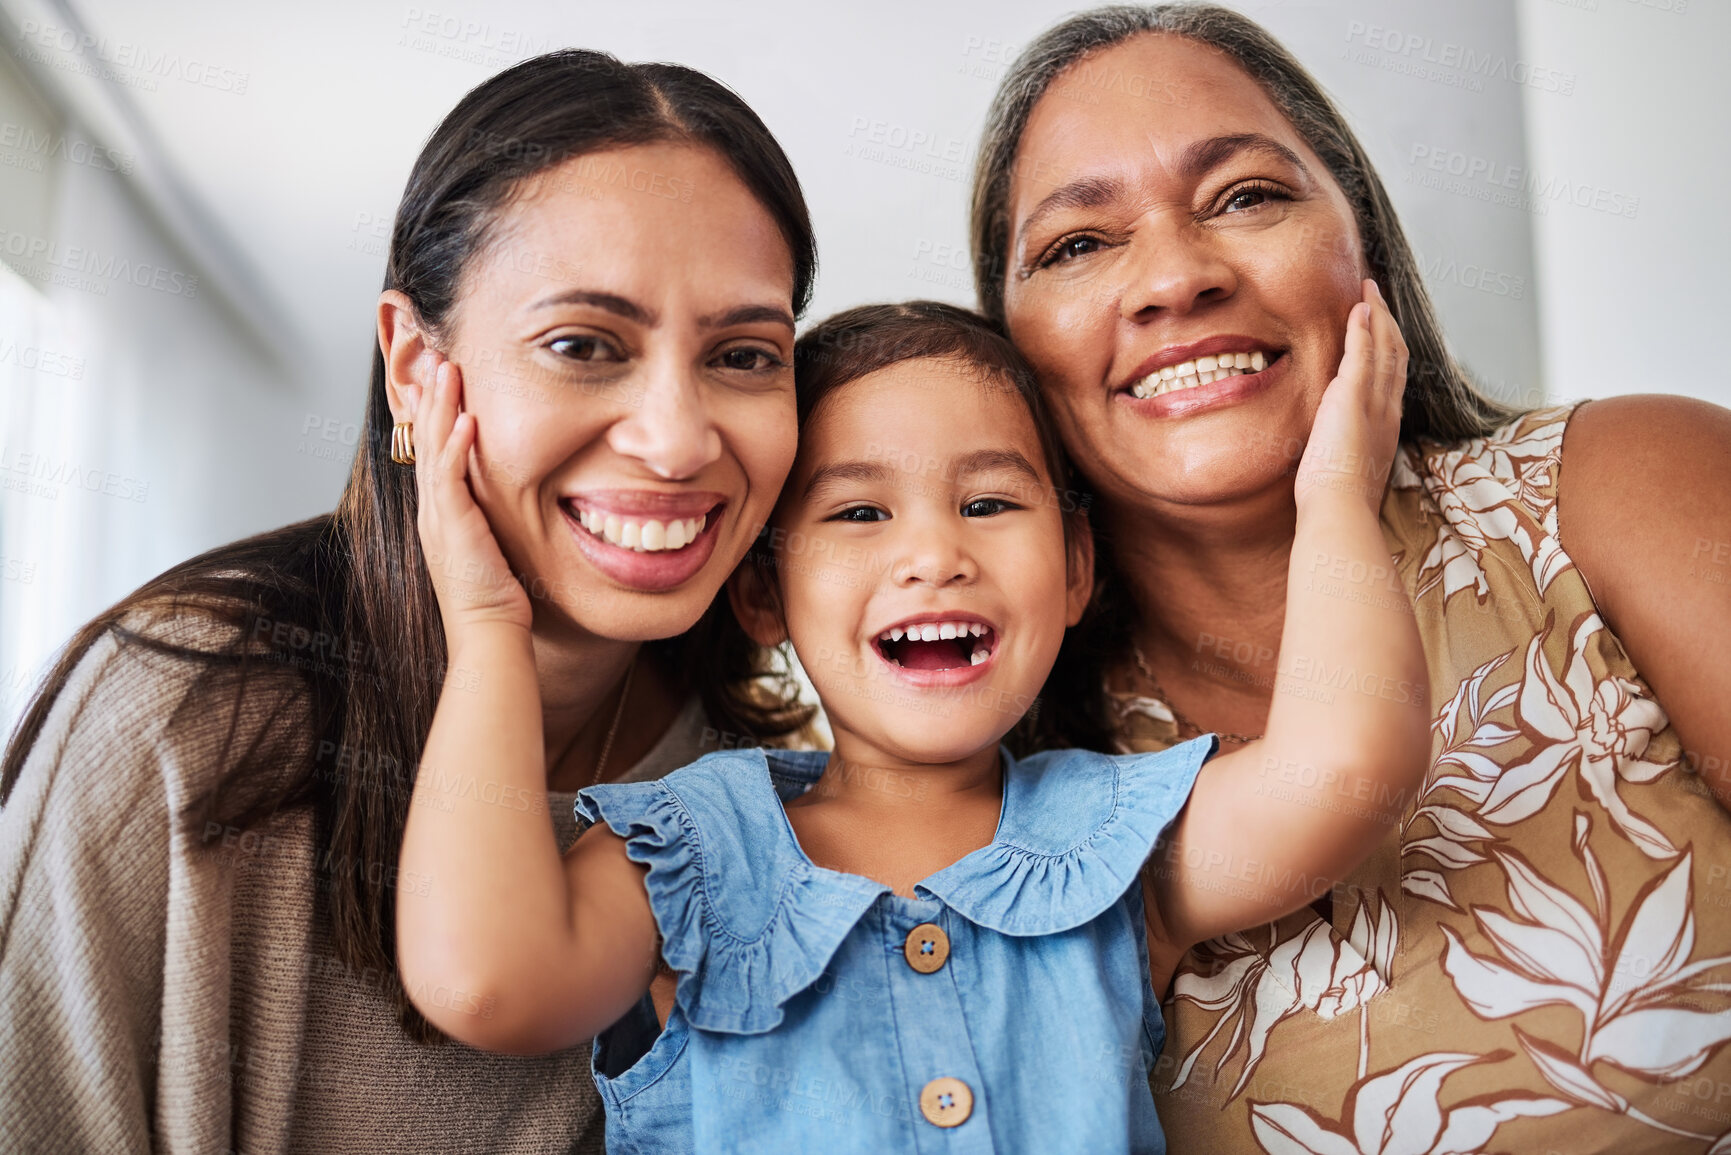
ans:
(937, 644)
(639, 533)
(1203, 371)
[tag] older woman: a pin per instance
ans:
(204, 804)
(1172, 220)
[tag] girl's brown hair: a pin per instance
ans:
(851, 344)
(1441, 400)
(355, 581)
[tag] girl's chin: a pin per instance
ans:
(964, 735)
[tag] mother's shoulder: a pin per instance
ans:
(153, 702)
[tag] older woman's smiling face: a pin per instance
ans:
(1181, 266)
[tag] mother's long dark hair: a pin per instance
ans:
(343, 600)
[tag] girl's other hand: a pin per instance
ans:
(473, 581)
(1352, 442)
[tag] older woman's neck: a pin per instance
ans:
(1209, 586)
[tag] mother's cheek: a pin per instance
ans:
(780, 440)
(765, 443)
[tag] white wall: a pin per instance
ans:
(302, 164)
(292, 128)
(139, 426)
(1645, 132)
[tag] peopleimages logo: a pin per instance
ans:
(1466, 174)
(26, 142)
(116, 59)
(45, 258)
(1451, 63)
(41, 359)
(38, 474)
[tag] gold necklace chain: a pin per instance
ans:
(613, 729)
(1177, 716)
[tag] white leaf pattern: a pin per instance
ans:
(1259, 988)
(1665, 1042)
(1428, 884)
(1632, 1013)
(1498, 992)
(1568, 1076)
(1398, 1113)
(1566, 975)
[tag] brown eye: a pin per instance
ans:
(1069, 249)
(748, 359)
(1251, 197)
(583, 348)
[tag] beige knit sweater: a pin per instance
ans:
(162, 992)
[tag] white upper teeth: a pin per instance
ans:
(645, 535)
(941, 631)
(1201, 371)
(933, 631)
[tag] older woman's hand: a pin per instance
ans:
(1352, 443)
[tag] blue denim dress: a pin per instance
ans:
(1006, 1008)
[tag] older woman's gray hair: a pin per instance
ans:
(1441, 400)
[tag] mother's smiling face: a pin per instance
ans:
(628, 357)
(612, 256)
(1154, 228)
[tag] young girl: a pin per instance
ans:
(914, 942)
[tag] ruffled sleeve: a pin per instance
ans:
(746, 921)
(1076, 829)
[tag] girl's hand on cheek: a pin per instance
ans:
(1352, 442)
(473, 582)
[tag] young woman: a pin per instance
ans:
(1535, 959)
(205, 800)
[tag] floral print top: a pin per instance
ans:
(1539, 958)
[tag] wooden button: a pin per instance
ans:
(927, 947)
(946, 1102)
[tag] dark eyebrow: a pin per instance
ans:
(986, 460)
(612, 302)
(827, 475)
(1087, 193)
(1206, 154)
(747, 315)
(1198, 158)
(875, 472)
(632, 311)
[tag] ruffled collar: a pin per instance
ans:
(1073, 833)
(748, 920)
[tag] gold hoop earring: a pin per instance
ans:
(402, 443)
